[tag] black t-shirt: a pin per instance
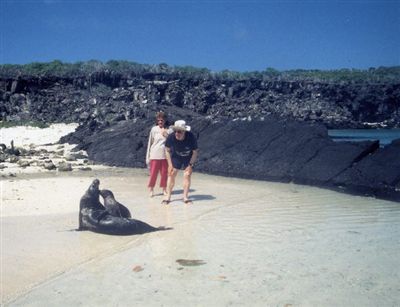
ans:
(181, 149)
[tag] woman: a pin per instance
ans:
(155, 156)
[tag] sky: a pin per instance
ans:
(239, 35)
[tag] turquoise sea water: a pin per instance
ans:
(385, 136)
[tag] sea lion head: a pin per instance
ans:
(106, 194)
(94, 187)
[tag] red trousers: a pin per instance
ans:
(158, 166)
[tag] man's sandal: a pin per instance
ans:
(165, 202)
(188, 202)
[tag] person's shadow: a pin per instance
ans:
(194, 196)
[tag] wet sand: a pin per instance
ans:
(256, 244)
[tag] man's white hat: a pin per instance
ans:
(180, 125)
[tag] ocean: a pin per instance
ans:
(385, 136)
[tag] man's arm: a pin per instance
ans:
(194, 157)
(169, 160)
(168, 156)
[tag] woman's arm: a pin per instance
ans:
(149, 143)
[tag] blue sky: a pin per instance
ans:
(242, 35)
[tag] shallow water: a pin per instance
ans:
(258, 243)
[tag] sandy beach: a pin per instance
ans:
(242, 243)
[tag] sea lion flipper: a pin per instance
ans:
(101, 215)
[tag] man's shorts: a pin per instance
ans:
(180, 162)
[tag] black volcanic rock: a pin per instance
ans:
(260, 127)
(124, 143)
(105, 95)
(377, 174)
(332, 159)
(270, 149)
(277, 150)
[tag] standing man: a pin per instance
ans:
(181, 153)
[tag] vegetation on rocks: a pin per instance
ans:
(79, 69)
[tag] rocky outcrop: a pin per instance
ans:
(259, 128)
(109, 97)
(42, 157)
(376, 174)
(269, 149)
(123, 143)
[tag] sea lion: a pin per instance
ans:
(114, 207)
(89, 201)
(93, 216)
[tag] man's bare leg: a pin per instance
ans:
(170, 184)
(187, 177)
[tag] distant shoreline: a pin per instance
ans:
(384, 135)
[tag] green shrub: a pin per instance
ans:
(82, 69)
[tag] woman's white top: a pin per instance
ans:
(156, 145)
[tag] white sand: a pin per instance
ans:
(23, 136)
(262, 244)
